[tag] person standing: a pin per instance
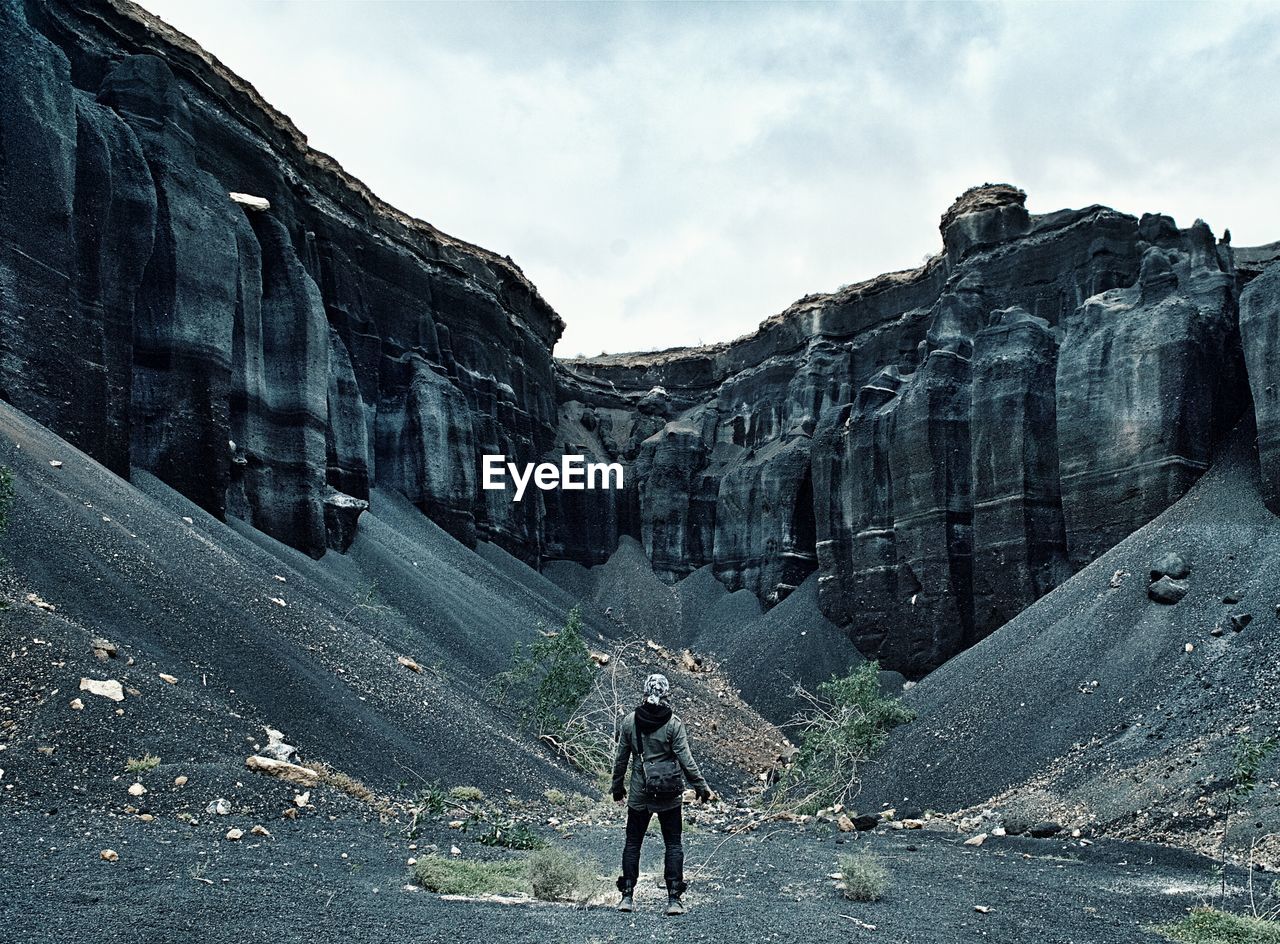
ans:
(658, 742)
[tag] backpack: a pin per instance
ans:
(663, 779)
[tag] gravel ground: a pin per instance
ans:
(318, 879)
(1088, 707)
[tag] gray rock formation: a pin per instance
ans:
(941, 445)
(1260, 332)
(270, 363)
(968, 433)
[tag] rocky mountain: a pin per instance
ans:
(189, 290)
(943, 445)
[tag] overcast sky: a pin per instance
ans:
(674, 173)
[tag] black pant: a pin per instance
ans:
(672, 823)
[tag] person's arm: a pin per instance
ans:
(680, 745)
(620, 762)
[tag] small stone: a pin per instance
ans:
(277, 601)
(411, 861)
(290, 813)
(1235, 596)
(1240, 620)
(408, 663)
(108, 688)
(976, 840)
(455, 851)
(302, 799)
(1217, 630)
(77, 704)
(1117, 579)
(56, 463)
(235, 835)
(103, 649)
(982, 909)
(180, 781)
(913, 824)
(137, 790)
(456, 824)
(1044, 830)
(187, 520)
(146, 817)
(844, 824)
(109, 855)
(219, 807)
(999, 831)
(865, 822)
(260, 831)
(1188, 648)
(39, 604)
(166, 677)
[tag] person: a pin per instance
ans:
(659, 743)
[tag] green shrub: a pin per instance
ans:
(431, 800)
(460, 877)
(1210, 926)
(467, 794)
(847, 720)
(548, 684)
(573, 802)
(506, 833)
(560, 875)
(865, 877)
(140, 765)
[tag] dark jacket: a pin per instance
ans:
(652, 733)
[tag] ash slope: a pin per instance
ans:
(1088, 709)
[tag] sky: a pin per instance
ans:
(675, 173)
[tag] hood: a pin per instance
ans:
(650, 718)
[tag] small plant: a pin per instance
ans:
(506, 833)
(865, 877)
(1211, 926)
(140, 765)
(560, 875)
(467, 795)
(460, 877)
(846, 722)
(549, 683)
(431, 800)
(1247, 759)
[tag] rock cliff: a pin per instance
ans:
(188, 289)
(943, 445)
(269, 355)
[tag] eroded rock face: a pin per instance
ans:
(942, 445)
(270, 356)
(1260, 330)
(967, 434)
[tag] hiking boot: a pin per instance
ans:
(626, 904)
(674, 906)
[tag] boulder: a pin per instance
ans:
(1170, 565)
(1167, 590)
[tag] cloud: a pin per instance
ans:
(669, 174)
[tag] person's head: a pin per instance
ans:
(657, 690)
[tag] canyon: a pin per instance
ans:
(190, 291)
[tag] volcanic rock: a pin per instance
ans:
(1167, 590)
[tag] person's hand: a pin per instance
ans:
(620, 798)
(705, 795)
